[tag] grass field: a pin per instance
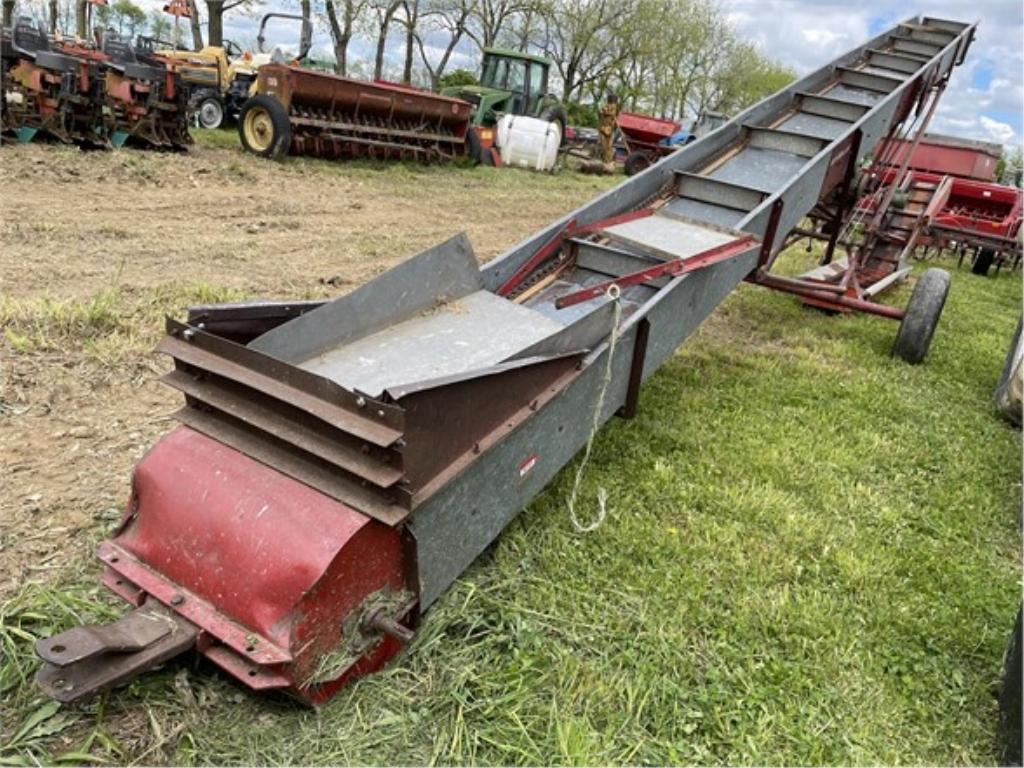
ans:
(811, 556)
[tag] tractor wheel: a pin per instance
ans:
(555, 114)
(983, 261)
(475, 150)
(922, 316)
(211, 113)
(1010, 700)
(636, 161)
(264, 128)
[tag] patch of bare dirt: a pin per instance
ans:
(77, 224)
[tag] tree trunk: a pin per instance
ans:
(340, 37)
(412, 12)
(80, 21)
(54, 11)
(378, 62)
(215, 17)
(197, 31)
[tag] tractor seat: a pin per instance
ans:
(57, 62)
(27, 38)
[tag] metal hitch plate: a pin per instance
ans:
(83, 661)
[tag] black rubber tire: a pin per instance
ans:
(922, 316)
(475, 150)
(210, 123)
(637, 161)
(1010, 700)
(983, 262)
(555, 114)
(281, 137)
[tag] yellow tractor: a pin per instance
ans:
(218, 78)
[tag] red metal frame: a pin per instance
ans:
(673, 268)
(197, 501)
(551, 247)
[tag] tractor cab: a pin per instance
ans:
(511, 82)
(523, 77)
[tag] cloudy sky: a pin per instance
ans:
(984, 100)
(984, 96)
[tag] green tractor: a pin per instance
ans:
(511, 82)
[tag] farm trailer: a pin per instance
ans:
(340, 463)
(647, 139)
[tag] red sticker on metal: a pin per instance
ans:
(526, 466)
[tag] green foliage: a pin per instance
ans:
(159, 25)
(579, 113)
(127, 17)
(1010, 167)
(457, 77)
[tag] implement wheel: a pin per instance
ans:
(923, 311)
(211, 113)
(555, 114)
(637, 161)
(264, 128)
(983, 261)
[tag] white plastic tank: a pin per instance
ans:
(526, 142)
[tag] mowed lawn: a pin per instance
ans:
(811, 556)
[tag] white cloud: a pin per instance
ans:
(997, 131)
(985, 97)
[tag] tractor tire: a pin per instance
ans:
(637, 161)
(555, 114)
(475, 150)
(922, 316)
(210, 113)
(264, 128)
(983, 261)
(1010, 700)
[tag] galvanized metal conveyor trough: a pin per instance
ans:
(340, 463)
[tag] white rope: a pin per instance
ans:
(613, 293)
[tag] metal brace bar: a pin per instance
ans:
(636, 370)
(83, 661)
(673, 268)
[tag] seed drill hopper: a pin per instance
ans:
(340, 463)
(305, 112)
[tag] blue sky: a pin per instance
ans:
(985, 98)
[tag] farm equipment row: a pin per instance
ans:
(97, 96)
(340, 463)
(306, 112)
(916, 199)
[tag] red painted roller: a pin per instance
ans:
(278, 577)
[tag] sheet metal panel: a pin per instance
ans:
(475, 331)
(460, 521)
(442, 273)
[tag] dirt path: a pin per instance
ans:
(74, 418)
(74, 222)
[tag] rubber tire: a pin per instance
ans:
(555, 114)
(922, 316)
(637, 161)
(475, 150)
(199, 113)
(282, 127)
(1010, 700)
(983, 262)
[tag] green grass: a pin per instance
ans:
(113, 326)
(811, 556)
(404, 179)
